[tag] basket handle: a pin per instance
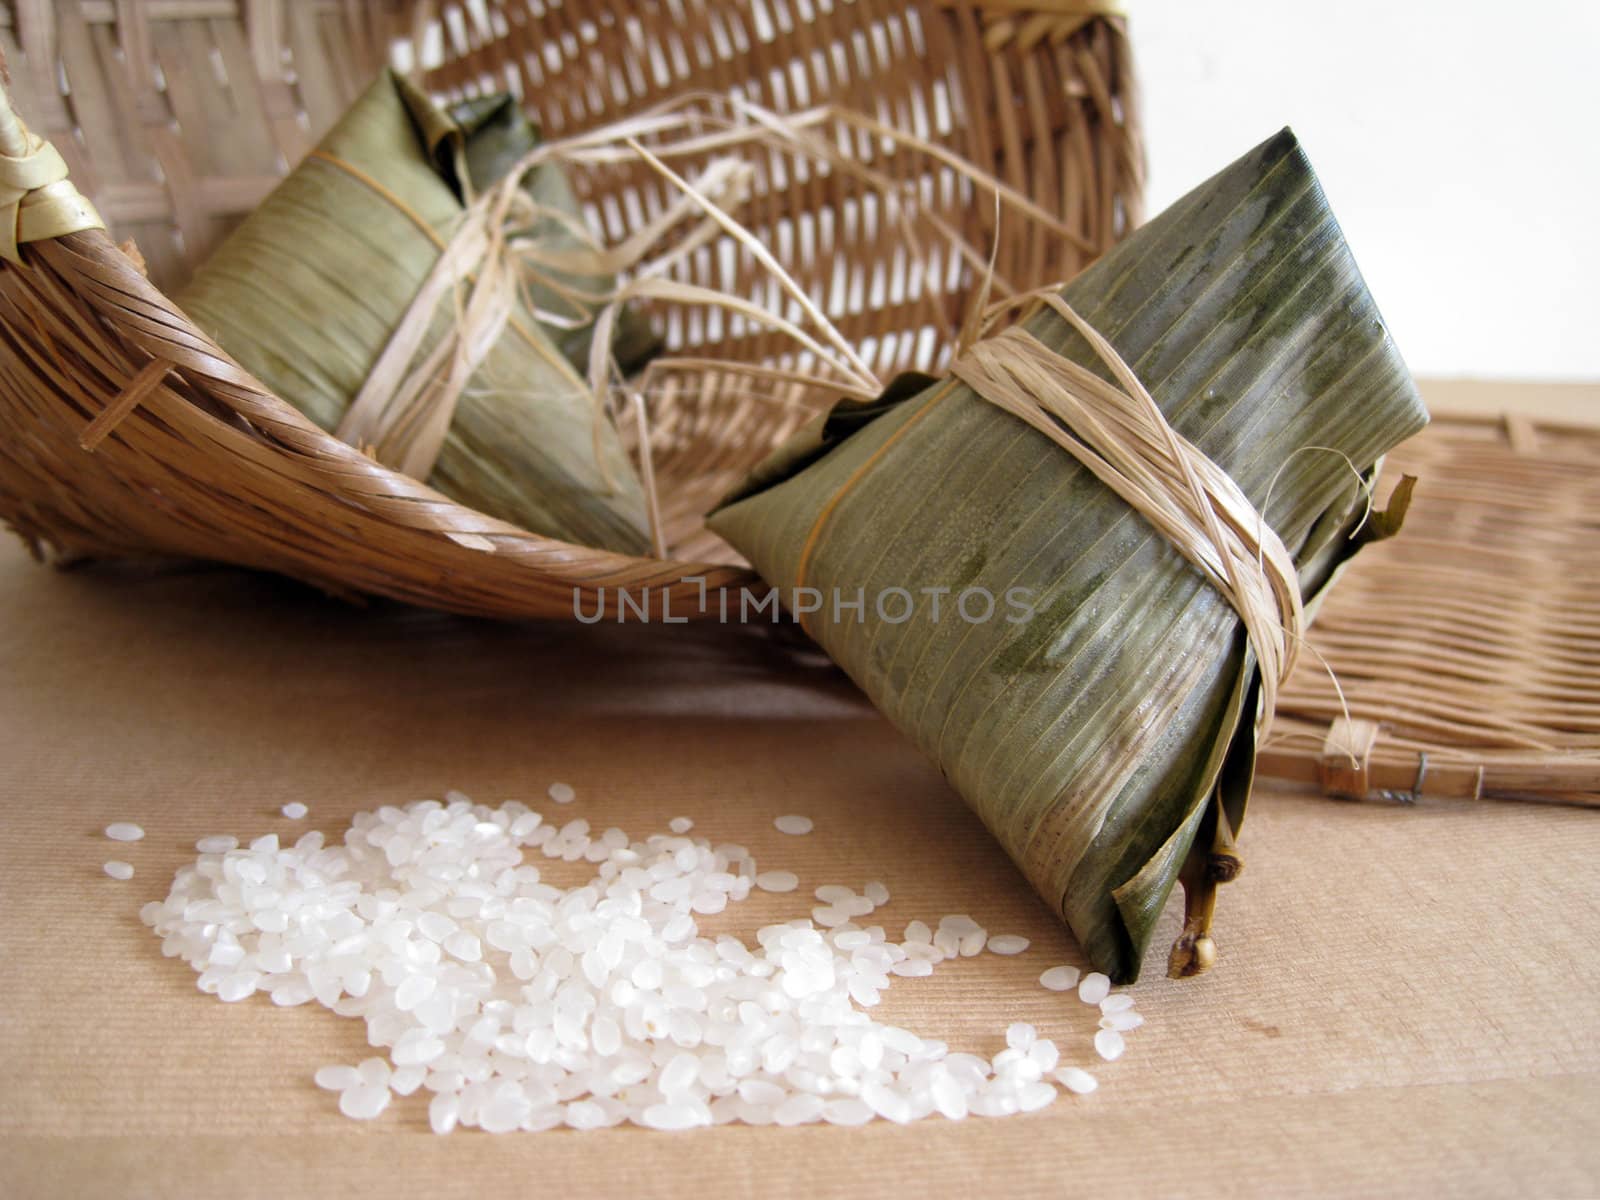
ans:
(37, 200)
(13, 134)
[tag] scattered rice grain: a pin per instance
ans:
(1094, 988)
(1109, 1044)
(1060, 979)
(336, 1079)
(1077, 1080)
(1036, 1095)
(364, 1101)
(1008, 943)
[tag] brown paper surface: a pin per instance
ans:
(1405, 1003)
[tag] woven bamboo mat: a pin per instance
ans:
(1468, 648)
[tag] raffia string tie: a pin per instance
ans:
(37, 200)
(404, 409)
(1117, 431)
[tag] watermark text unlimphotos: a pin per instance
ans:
(890, 605)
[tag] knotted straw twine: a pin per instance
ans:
(1120, 435)
(37, 201)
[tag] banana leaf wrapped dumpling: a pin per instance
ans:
(1088, 691)
(311, 289)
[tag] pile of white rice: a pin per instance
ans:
(521, 1005)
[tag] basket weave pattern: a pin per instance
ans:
(177, 116)
(1466, 647)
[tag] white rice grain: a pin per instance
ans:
(672, 1117)
(407, 1080)
(1109, 1044)
(364, 1101)
(1060, 979)
(799, 1109)
(1122, 1022)
(336, 1078)
(1020, 1036)
(1031, 1097)
(847, 1110)
(1094, 988)
(1077, 1080)
(1007, 943)
(443, 1112)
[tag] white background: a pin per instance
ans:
(1459, 144)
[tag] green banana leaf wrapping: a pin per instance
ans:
(308, 290)
(1100, 721)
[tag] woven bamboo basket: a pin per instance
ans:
(124, 431)
(1467, 649)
